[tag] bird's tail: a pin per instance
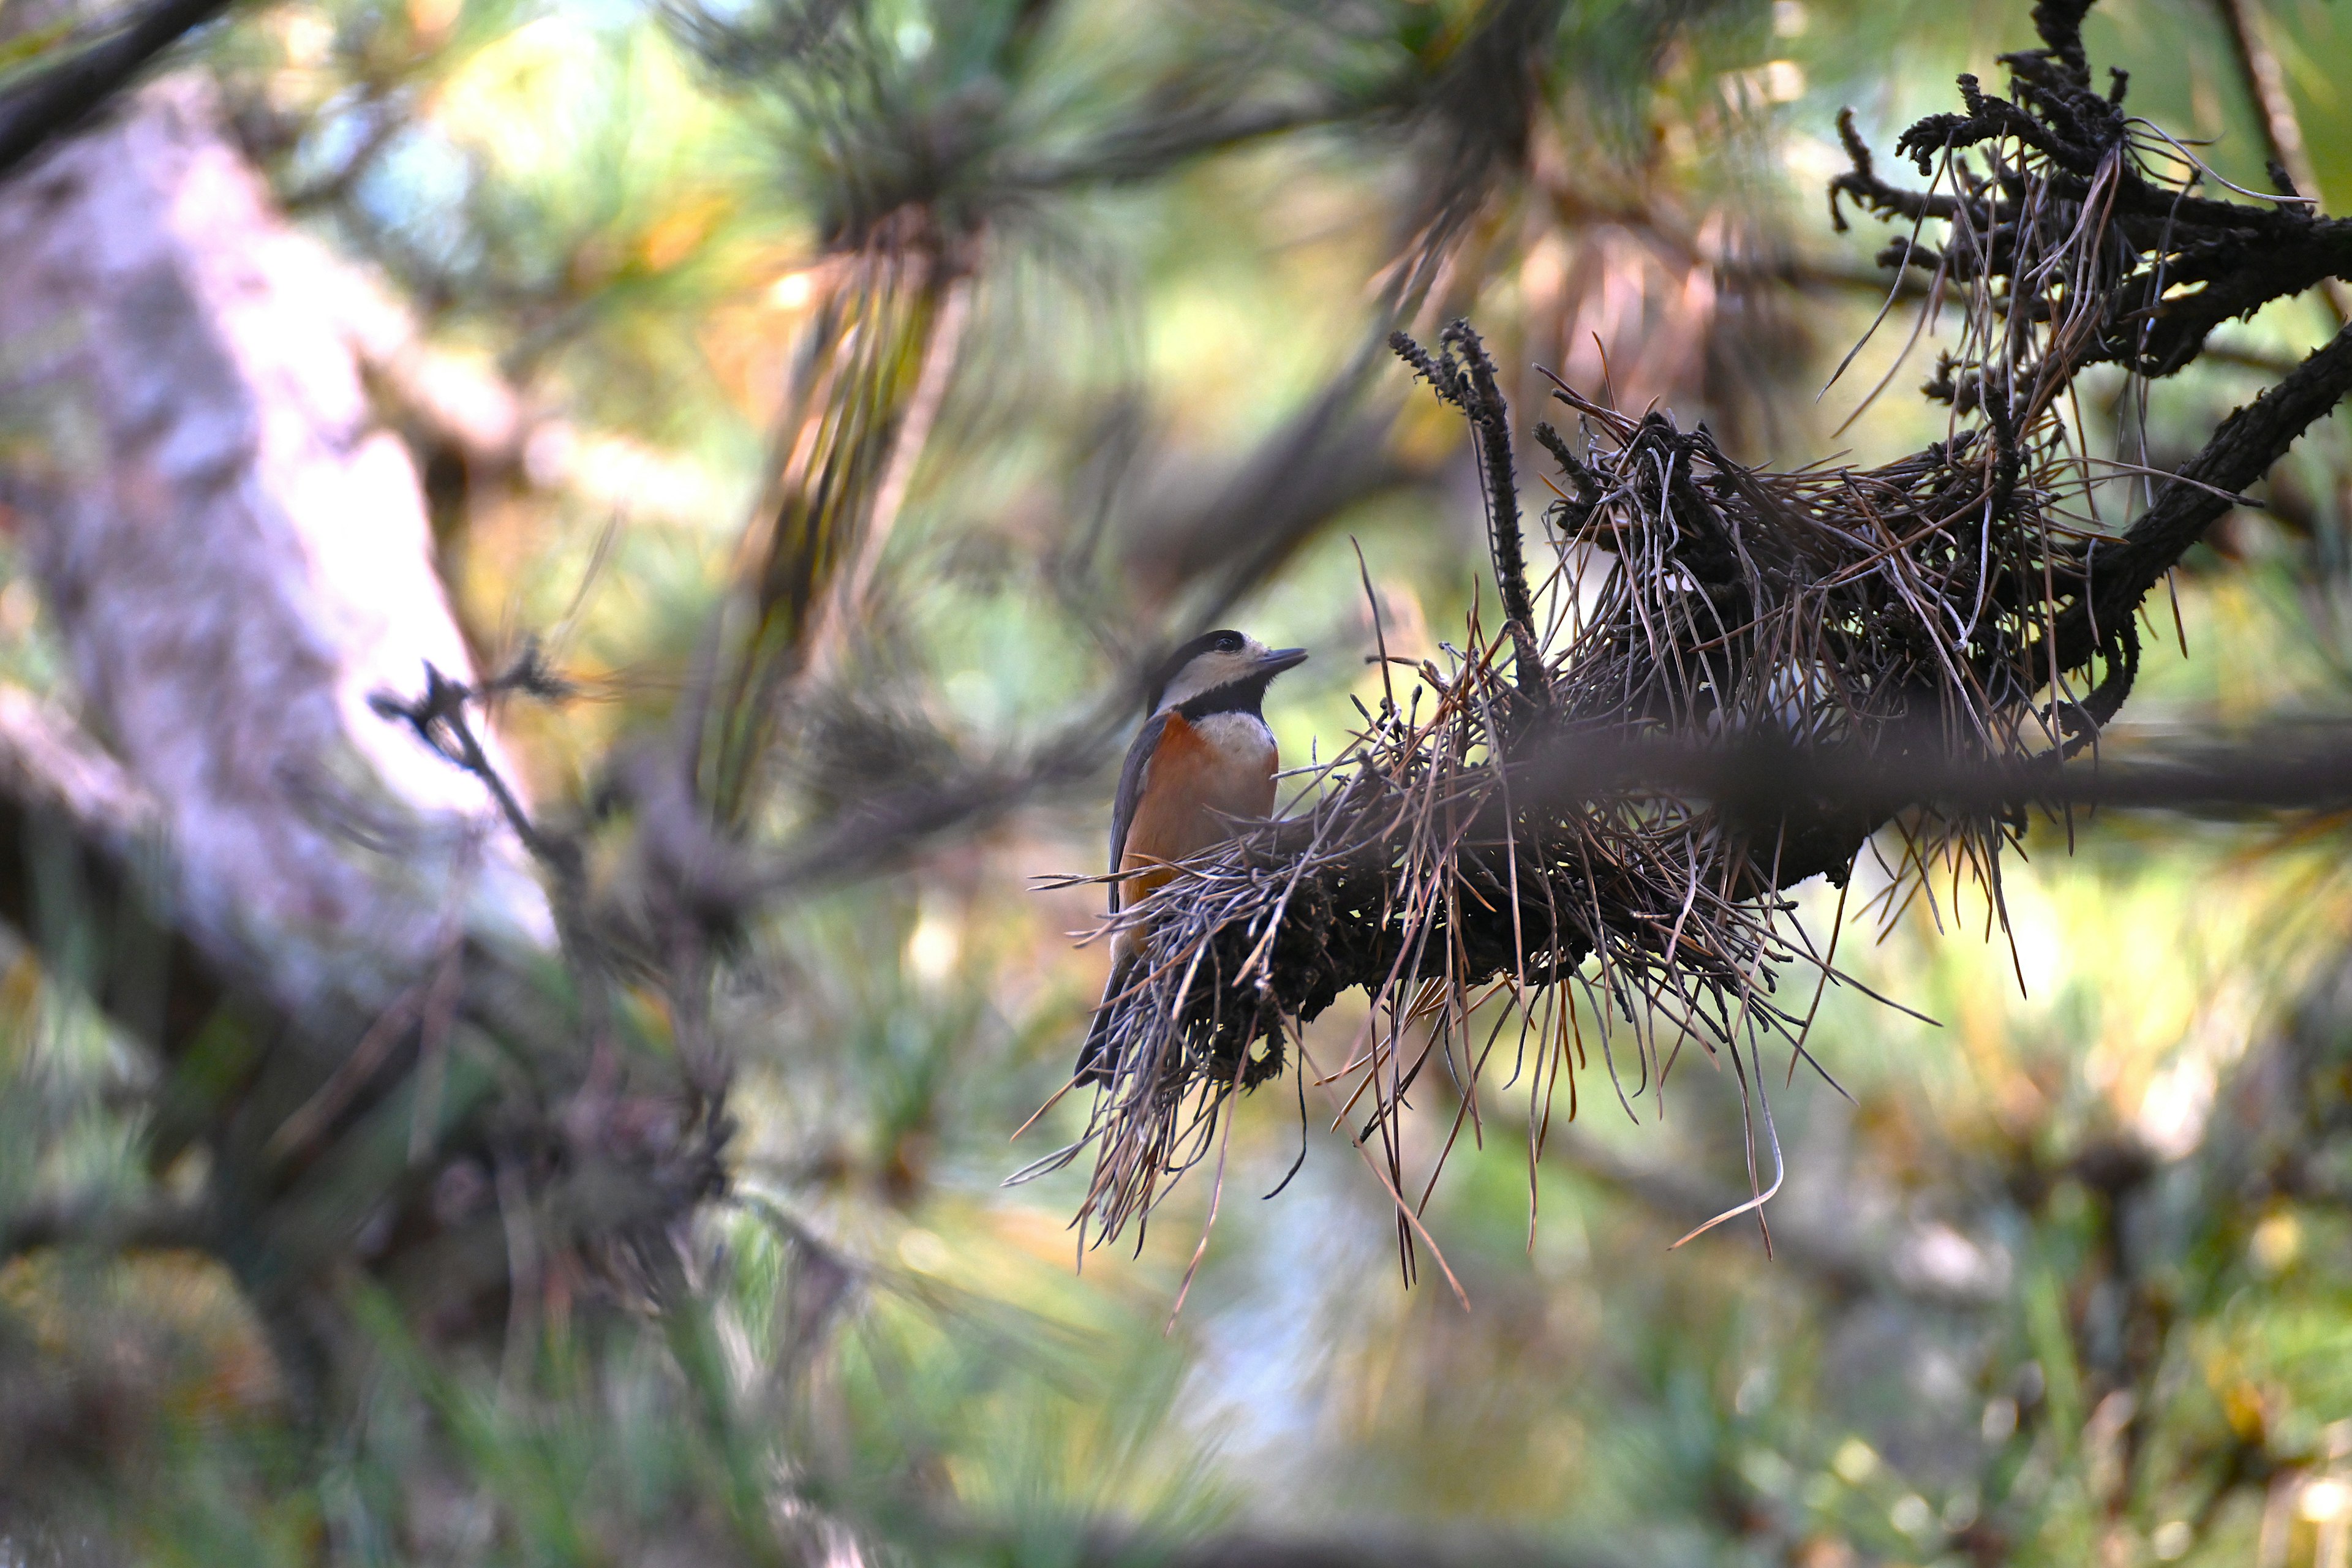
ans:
(1096, 1064)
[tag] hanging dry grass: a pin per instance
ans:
(1540, 817)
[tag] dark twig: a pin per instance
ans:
(2290, 155)
(2232, 460)
(62, 97)
(440, 719)
(1464, 375)
(85, 1224)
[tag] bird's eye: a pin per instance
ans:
(1229, 643)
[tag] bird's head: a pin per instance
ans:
(1220, 661)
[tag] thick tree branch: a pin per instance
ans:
(2236, 458)
(238, 556)
(1769, 779)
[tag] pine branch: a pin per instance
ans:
(1463, 375)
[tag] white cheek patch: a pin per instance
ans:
(1208, 671)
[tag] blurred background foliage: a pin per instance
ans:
(2065, 1276)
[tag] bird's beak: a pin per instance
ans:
(1279, 660)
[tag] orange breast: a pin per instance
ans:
(1199, 776)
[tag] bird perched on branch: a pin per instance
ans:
(1203, 758)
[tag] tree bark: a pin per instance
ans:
(236, 556)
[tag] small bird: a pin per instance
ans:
(1203, 758)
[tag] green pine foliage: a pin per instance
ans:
(2063, 1276)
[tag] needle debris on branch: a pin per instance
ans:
(1493, 830)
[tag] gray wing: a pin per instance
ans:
(1130, 790)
